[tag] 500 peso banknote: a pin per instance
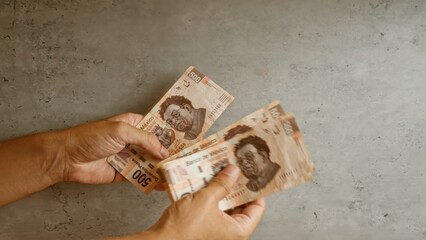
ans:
(272, 156)
(271, 111)
(179, 119)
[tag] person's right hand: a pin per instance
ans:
(197, 216)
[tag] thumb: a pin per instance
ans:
(138, 137)
(222, 184)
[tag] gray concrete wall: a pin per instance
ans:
(353, 72)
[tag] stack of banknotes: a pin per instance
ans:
(266, 145)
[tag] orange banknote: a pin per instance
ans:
(271, 111)
(179, 119)
(272, 157)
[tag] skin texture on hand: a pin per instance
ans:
(87, 146)
(32, 163)
(198, 216)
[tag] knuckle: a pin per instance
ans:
(151, 139)
(127, 115)
(119, 127)
(222, 181)
(134, 118)
(205, 196)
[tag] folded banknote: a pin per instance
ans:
(180, 119)
(271, 155)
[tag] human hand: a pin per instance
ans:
(83, 153)
(197, 216)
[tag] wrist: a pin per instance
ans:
(146, 235)
(151, 235)
(52, 145)
(162, 229)
(156, 235)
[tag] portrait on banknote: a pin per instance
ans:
(179, 113)
(253, 158)
(239, 129)
(165, 135)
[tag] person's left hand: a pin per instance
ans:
(85, 148)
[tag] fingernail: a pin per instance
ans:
(164, 152)
(231, 170)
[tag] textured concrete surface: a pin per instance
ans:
(353, 72)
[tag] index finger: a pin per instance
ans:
(251, 215)
(255, 209)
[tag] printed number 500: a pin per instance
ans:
(141, 178)
(194, 77)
